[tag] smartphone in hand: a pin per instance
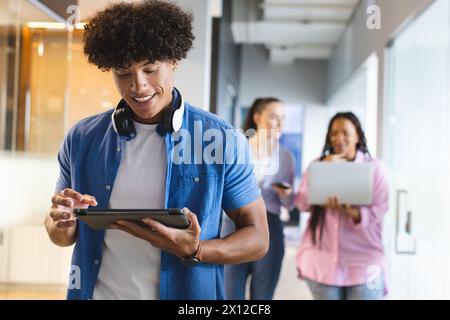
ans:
(282, 185)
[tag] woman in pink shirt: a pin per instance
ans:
(341, 253)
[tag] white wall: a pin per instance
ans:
(26, 253)
(301, 82)
(359, 95)
(358, 43)
(416, 103)
(193, 76)
(418, 111)
(26, 187)
(316, 122)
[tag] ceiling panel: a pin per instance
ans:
(329, 3)
(310, 14)
(293, 29)
(287, 33)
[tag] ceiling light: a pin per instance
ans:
(53, 25)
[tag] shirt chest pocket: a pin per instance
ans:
(200, 194)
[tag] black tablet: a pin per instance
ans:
(103, 218)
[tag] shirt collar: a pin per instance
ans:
(360, 156)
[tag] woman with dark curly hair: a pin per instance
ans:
(129, 158)
(341, 253)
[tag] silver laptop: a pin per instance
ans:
(351, 182)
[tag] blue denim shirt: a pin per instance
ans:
(89, 160)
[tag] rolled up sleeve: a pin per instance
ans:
(240, 187)
(301, 199)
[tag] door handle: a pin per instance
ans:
(404, 239)
(408, 222)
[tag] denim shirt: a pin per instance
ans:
(89, 160)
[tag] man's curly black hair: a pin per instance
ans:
(123, 33)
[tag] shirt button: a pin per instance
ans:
(196, 179)
(108, 187)
(96, 261)
(118, 149)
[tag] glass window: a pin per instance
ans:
(46, 86)
(9, 46)
(417, 153)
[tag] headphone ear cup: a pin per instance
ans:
(122, 121)
(168, 116)
(177, 119)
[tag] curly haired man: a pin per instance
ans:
(124, 158)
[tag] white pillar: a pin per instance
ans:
(194, 74)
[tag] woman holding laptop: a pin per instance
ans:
(341, 254)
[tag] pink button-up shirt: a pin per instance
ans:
(350, 254)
